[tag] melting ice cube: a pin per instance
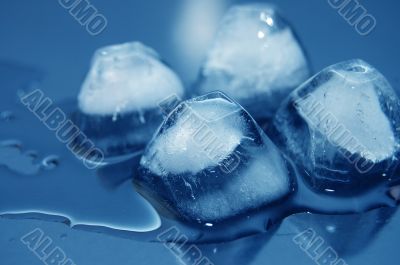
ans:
(210, 161)
(342, 127)
(119, 99)
(256, 59)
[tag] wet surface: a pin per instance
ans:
(39, 174)
(42, 177)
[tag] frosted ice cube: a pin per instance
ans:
(210, 161)
(127, 77)
(118, 102)
(256, 59)
(342, 127)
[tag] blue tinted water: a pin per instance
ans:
(370, 238)
(60, 188)
(43, 178)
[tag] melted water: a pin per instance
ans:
(41, 178)
(35, 165)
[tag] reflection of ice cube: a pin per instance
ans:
(256, 59)
(119, 99)
(341, 127)
(210, 161)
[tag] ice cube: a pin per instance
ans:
(118, 102)
(256, 59)
(210, 161)
(342, 127)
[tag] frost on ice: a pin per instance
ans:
(210, 161)
(126, 77)
(119, 100)
(255, 59)
(341, 126)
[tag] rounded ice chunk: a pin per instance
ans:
(119, 99)
(210, 161)
(342, 127)
(127, 77)
(256, 59)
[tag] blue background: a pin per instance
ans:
(43, 35)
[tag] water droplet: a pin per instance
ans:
(331, 228)
(31, 153)
(11, 143)
(6, 115)
(50, 162)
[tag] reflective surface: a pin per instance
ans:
(47, 38)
